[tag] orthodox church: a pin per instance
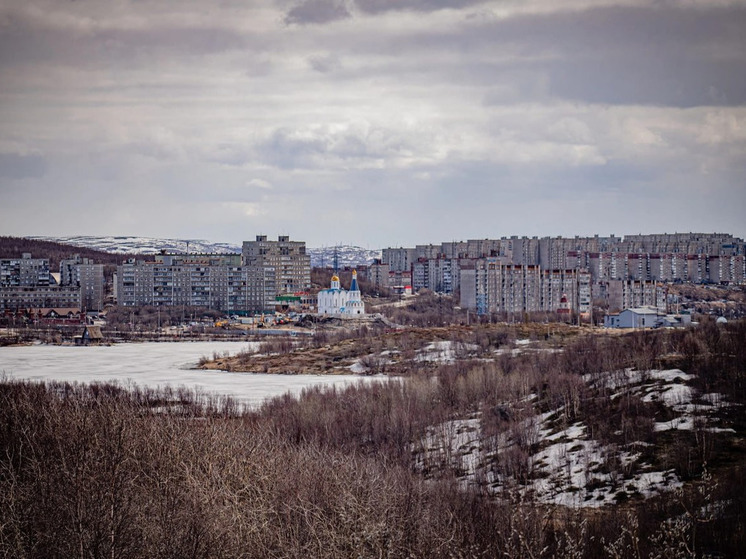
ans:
(336, 301)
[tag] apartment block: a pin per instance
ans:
(215, 282)
(24, 271)
(494, 285)
(88, 276)
(26, 283)
(398, 259)
(437, 274)
(285, 261)
(623, 294)
(40, 297)
(485, 248)
(378, 274)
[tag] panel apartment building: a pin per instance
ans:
(213, 281)
(686, 257)
(622, 272)
(234, 283)
(89, 277)
(286, 259)
(26, 283)
(491, 285)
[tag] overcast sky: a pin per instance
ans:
(372, 122)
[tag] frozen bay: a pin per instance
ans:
(156, 364)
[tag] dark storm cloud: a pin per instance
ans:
(316, 12)
(14, 166)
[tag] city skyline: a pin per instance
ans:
(372, 123)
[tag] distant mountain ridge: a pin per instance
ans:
(143, 245)
(320, 257)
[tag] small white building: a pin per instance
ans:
(336, 301)
(639, 317)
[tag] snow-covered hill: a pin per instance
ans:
(144, 245)
(346, 255)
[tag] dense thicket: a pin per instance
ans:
(106, 471)
(100, 472)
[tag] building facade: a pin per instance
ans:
(26, 283)
(213, 281)
(24, 271)
(685, 257)
(89, 277)
(284, 265)
(490, 285)
(336, 301)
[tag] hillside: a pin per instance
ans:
(320, 257)
(493, 440)
(144, 245)
(14, 247)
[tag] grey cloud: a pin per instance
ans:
(615, 175)
(672, 57)
(325, 64)
(230, 155)
(680, 57)
(288, 151)
(380, 6)
(316, 12)
(303, 149)
(15, 166)
(26, 44)
(675, 81)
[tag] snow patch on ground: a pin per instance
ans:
(364, 365)
(566, 466)
(670, 395)
(671, 375)
(444, 352)
(571, 471)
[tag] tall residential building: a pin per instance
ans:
(399, 259)
(437, 274)
(284, 265)
(378, 274)
(624, 294)
(212, 281)
(86, 275)
(489, 285)
(24, 271)
(25, 283)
